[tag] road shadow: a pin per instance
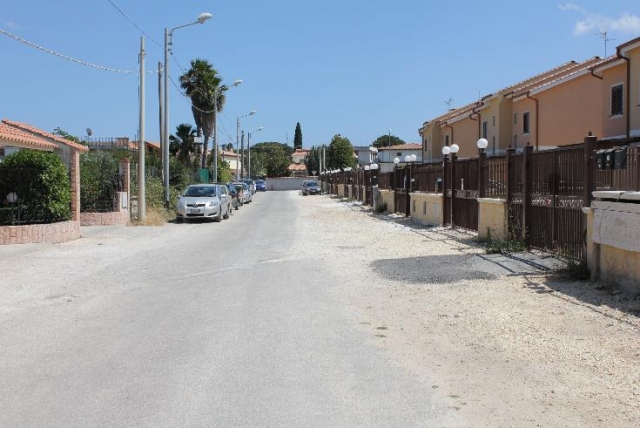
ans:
(544, 273)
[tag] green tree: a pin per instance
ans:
(64, 134)
(202, 83)
(297, 138)
(340, 153)
(273, 159)
(386, 140)
(312, 159)
(183, 145)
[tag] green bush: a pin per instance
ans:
(98, 179)
(44, 187)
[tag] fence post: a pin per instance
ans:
(526, 196)
(407, 203)
(445, 183)
(509, 153)
(482, 155)
(590, 142)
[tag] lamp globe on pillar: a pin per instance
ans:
(454, 149)
(446, 150)
(482, 144)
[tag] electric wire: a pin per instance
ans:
(134, 24)
(65, 57)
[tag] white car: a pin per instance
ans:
(204, 201)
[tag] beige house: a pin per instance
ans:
(620, 91)
(554, 108)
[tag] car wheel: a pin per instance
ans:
(178, 219)
(218, 218)
(226, 215)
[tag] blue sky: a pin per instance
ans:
(350, 67)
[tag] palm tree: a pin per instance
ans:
(183, 144)
(201, 83)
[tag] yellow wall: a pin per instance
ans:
(634, 55)
(612, 126)
(466, 136)
(492, 218)
(426, 208)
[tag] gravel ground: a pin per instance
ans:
(511, 345)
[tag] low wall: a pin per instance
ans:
(388, 197)
(287, 183)
(492, 218)
(40, 233)
(613, 247)
(104, 219)
(119, 216)
(426, 208)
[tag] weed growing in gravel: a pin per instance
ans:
(502, 246)
(381, 208)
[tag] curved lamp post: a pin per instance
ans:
(215, 127)
(450, 150)
(251, 113)
(249, 146)
(168, 37)
(482, 144)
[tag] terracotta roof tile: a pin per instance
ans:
(33, 130)
(297, 167)
(407, 146)
(21, 138)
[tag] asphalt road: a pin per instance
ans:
(203, 324)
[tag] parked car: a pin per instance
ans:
(261, 185)
(243, 190)
(251, 183)
(310, 187)
(235, 199)
(204, 201)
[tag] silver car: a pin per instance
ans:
(246, 192)
(204, 201)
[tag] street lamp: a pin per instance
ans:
(251, 113)
(482, 144)
(215, 128)
(249, 146)
(168, 35)
(452, 150)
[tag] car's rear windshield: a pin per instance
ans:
(200, 191)
(259, 181)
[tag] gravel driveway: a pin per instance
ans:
(511, 344)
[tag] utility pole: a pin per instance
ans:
(242, 155)
(142, 202)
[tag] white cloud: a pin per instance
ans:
(592, 22)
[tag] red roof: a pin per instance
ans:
(297, 167)
(33, 130)
(24, 139)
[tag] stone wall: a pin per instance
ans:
(40, 233)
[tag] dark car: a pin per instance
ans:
(310, 187)
(261, 186)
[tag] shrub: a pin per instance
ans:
(44, 190)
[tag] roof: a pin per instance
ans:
(297, 167)
(572, 71)
(23, 139)
(301, 151)
(226, 153)
(407, 146)
(134, 144)
(56, 138)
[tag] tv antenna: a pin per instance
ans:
(448, 103)
(603, 36)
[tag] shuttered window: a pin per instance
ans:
(617, 98)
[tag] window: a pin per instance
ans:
(617, 99)
(525, 122)
(484, 129)
(515, 118)
(446, 140)
(493, 119)
(399, 154)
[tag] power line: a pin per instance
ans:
(133, 23)
(68, 58)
